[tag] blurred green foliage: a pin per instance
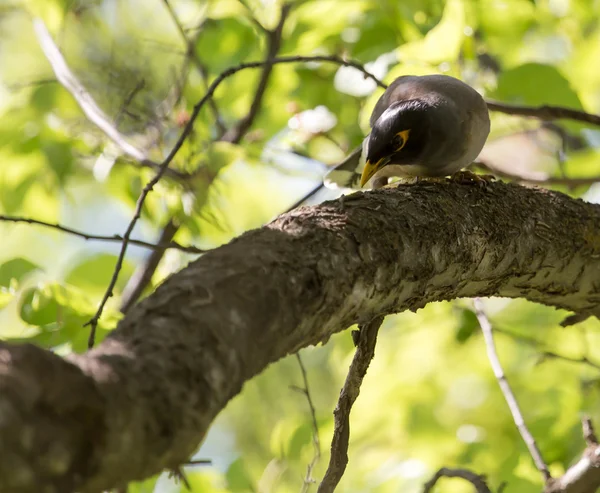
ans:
(429, 398)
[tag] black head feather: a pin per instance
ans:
(413, 115)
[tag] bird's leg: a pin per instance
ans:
(466, 176)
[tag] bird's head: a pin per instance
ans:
(397, 137)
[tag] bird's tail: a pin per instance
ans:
(347, 173)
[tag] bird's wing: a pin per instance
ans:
(347, 173)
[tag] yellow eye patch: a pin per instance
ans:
(403, 137)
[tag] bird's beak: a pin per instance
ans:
(371, 169)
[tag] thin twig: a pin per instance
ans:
(85, 100)
(143, 274)
(545, 354)
(112, 238)
(308, 479)
(545, 112)
(235, 134)
(199, 462)
(475, 479)
(192, 54)
(546, 180)
(303, 199)
(341, 432)
(584, 360)
(486, 328)
(588, 431)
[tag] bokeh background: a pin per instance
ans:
(430, 398)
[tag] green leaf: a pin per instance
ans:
(60, 313)
(467, 325)
(237, 477)
(59, 156)
(6, 296)
(15, 270)
(93, 274)
(536, 84)
(226, 42)
(443, 42)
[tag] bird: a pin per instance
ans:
(421, 126)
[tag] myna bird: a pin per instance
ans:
(427, 126)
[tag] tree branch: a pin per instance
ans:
(308, 479)
(509, 396)
(365, 351)
(475, 479)
(84, 99)
(545, 112)
(112, 238)
(584, 475)
(115, 414)
(235, 134)
(143, 274)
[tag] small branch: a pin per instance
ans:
(486, 328)
(303, 199)
(199, 462)
(113, 238)
(143, 274)
(308, 479)
(235, 134)
(341, 432)
(546, 180)
(584, 360)
(545, 112)
(475, 479)
(588, 431)
(84, 99)
(192, 55)
(584, 475)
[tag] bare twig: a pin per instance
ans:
(112, 238)
(193, 56)
(588, 431)
(475, 479)
(546, 180)
(584, 360)
(235, 134)
(341, 431)
(199, 462)
(486, 328)
(143, 274)
(308, 479)
(546, 112)
(86, 102)
(303, 199)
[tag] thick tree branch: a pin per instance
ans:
(138, 283)
(143, 400)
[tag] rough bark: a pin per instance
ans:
(143, 399)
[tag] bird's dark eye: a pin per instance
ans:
(400, 140)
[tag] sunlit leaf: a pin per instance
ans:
(15, 270)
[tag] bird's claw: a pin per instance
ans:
(468, 177)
